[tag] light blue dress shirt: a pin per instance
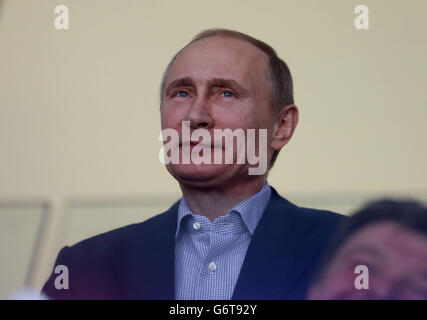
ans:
(209, 255)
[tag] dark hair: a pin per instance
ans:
(406, 213)
(278, 75)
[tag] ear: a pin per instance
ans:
(286, 122)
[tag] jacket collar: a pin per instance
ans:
(279, 253)
(149, 267)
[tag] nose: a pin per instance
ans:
(199, 114)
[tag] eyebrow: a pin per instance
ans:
(180, 82)
(216, 82)
(365, 249)
(220, 82)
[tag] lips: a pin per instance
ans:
(200, 144)
(192, 144)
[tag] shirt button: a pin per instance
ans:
(196, 225)
(212, 266)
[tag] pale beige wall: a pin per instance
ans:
(79, 108)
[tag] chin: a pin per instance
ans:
(202, 175)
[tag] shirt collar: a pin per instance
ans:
(250, 209)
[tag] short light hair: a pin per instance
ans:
(278, 75)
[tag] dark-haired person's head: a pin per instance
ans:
(379, 253)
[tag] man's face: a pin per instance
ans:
(396, 258)
(217, 83)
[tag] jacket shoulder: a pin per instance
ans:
(323, 217)
(114, 238)
(307, 216)
(94, 264)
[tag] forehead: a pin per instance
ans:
(388, 238)
(221, 57)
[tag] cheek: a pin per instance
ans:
(172, 116)
(339, 283)
(242, 116)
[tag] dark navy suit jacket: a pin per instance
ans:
(137, 261)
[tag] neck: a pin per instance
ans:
(214, 203)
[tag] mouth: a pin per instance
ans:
(193, 143)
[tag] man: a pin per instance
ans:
(379, 253)
(231, 236)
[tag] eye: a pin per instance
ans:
(227, 94)
(182, 94)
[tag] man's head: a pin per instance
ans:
(390, 239)
(227, 80)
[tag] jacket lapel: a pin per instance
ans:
(279, 253)
(149, 265)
